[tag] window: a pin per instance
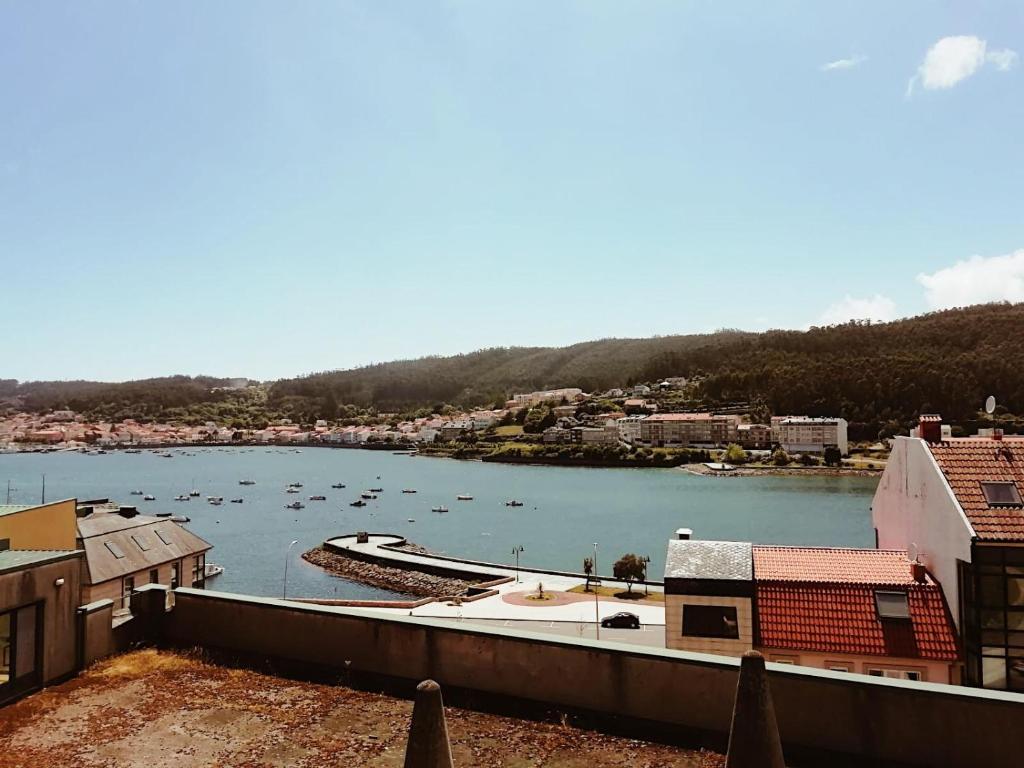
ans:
(115, 550)
(141, 541)
(20, 650)
(839, 667)
(892, 605)
(710, 621)
(154, 576)
(896, 674)
(175, 575)
(127, 587)
(1001, 494)
(5, 544)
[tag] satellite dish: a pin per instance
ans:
(912, 552)
(990, 405)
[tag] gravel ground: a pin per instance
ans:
(154, 709)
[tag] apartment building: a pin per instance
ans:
(606, 435)
(863, 611)
(685, 429)
(807, 434)
(629, 428)
(754, 436)
(530, 399)
(957, 504)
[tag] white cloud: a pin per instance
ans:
(877, 308)
(850, 63)
(976, 280)
(1003, 59)
(953, 59)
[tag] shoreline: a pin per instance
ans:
(702, 471)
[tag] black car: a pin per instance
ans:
(621, 620)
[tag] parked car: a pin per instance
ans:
(621, 620)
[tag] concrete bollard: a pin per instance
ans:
(754, 737)
(428, 745)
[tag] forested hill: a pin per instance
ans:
(878, 376)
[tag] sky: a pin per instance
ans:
(266, 189)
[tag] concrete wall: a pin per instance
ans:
(96, 634)
(825, 718)
(36, 584)
(48, 526)
(914, 508)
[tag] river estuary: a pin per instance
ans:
(565, 509)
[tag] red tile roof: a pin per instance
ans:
(966, 462)
(841, 618)
(832, 564)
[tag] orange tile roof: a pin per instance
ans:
(841, 618)
(966, 462)
(832, 564)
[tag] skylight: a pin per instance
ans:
(892, 605)
(162, 536)
(141, 540)
(1001, 494)
(115, 550)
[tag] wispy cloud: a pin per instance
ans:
(976, 280)
(952, 60)
(850, 63)
(877, 308)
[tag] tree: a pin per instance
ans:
(780, 458)
(833, 456)
(629, 568)
(734, 454)
(588, 569)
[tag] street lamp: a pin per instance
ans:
(517, 551)
(647, 562)
(597, 610)
(284, 589)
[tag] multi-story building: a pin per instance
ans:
(530, 399)
(595, 435)
(754, 436)
(865, 611)
(808, 434)
(629, 428)
(685, 429)
(956, 503)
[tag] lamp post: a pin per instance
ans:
(517, 551)
(287, 552)
(597, 610)
(647, 562)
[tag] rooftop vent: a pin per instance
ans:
(128, 512)
(918, 572)
(684, 534)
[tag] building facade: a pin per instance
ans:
(807, 434)
(686, 429)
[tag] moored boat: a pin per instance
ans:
(337, 485)
(295, 505)
(318, 498)
(464, 497)
(149, 497)
(513, 503)
(237, 501)
(439, 509)
(408, 490)
(358, 503)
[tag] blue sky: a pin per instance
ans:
(265, 189)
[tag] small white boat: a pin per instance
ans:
(181, 497)
(295, 505)
(412, 519)
(464, 497)
(247, 482)
(149, 497)
(408, 490)
(358, 503)
(318, 498)
(237, 501)
(212, 499)
(291, 490)
(136, 493)
(513, 503)
(181, 519)
(294, 485)
(439, 509)
(338, 485)
(369, 495)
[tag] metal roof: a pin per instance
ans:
(10, 509)
(18, 559)
(719, 560)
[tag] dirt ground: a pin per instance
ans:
(154, 709)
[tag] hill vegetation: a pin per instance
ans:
(878, 376)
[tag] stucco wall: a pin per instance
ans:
(871, 719)
(914, 507)
(731, 647)
(32, 585)
(96, 632)
(49, 526)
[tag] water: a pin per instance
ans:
(566, 509)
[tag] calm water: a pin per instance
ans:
(566, 510)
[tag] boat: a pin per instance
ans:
(135, 493)
(464, 497)
(439, 509)
(318, 498)
(358, 503)
(181, 497)
(237, 501)
(193, 492)
(295, 505)
(294, 485)
(212, 499)
(216, 502)
(181, 519)
(291, 490)
(408, 490)
(376, 490)
(412, 519)
(513, 503)
(338, 485)
(163, 514)
(149, 497)
(368, 495)
(247, 482)
(212, 569)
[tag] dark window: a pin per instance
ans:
(1001, 494)
(175, 575)
(892, 605)
(710, 621)
(5, 544)
(154, 576)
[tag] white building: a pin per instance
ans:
(546, 396)
(629, 428)
(807, 434)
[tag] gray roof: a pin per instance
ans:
(17, 559)
(721, 560)
(10, 509)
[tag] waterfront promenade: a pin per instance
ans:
(571, 614)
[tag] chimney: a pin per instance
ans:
(918, 571)
(929, 427)
(997, 433)
(684, 534)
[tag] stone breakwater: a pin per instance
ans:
(401, 580)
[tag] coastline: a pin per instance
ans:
(703, 471)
